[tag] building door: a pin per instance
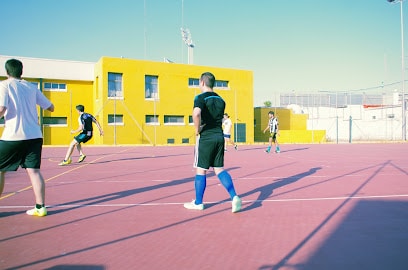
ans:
(240, 132)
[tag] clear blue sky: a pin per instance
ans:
(291, 46)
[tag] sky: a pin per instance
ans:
(291, 46)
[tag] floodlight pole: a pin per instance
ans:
(186, 36)
(403, 103)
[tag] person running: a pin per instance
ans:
(227, 125)
(22, 139)
(85, 127)
(273, 127)
(208, 112)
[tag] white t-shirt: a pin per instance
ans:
(227, 126)
(21, 119)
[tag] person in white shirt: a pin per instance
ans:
(22, 139)
(226, 127)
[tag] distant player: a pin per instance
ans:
(85, 127)
(227, 125)
(273, 127)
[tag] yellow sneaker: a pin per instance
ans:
(42, 212)
(65, 162)
(81, 158)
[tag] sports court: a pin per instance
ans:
(317, 206)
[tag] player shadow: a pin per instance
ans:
(266, 191)
(12, 213)
(291, 150)
(121, 194)
(130, 158)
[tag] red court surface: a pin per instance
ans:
(332, 206)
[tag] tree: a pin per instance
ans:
(268, 103)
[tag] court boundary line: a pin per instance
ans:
(215, 202)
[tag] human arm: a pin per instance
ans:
(267, 127)
(79, 129)
(197, 120)
(99, 127)
(50, 108)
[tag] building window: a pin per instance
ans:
(152, 119)
(115, 119)
(190, 120)
(115, 85)
(221, 84)
(193, 82)
(174, 119)
(151, 87)
(49, 86)
(185, 140)
(55, 121)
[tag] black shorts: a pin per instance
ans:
(26, 154)
(209, 152)
(83, 137)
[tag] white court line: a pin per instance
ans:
(217, 202)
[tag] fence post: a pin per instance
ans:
(337, 129)
(350, 128)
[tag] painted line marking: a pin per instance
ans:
(215, 202)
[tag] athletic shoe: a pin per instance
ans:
(267, 150)
(81, 158)
(277, 151)
(193, 206)
(37, 212)
(236, 147)
(65, 162)
(236, 204)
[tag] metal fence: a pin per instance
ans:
(350, 116)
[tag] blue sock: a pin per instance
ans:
(200, 184)
(226, 181)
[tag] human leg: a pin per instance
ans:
(226, 180)
(269, 146)
(67, 160)
(32, 165)
(38, 184)
(200, 183)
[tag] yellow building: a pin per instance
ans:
(292, 127)
(136, 102)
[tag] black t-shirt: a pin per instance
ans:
(212, 111)
(86, 120)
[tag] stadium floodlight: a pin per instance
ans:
(403, 101)
(186, 36)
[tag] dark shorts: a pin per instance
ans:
(273, 136)
(83, 137)
(26, 154)
(209, 152)
(228, 136)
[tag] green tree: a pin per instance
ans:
(268, 103)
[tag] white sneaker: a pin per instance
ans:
(236, 204)
(193, 206)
